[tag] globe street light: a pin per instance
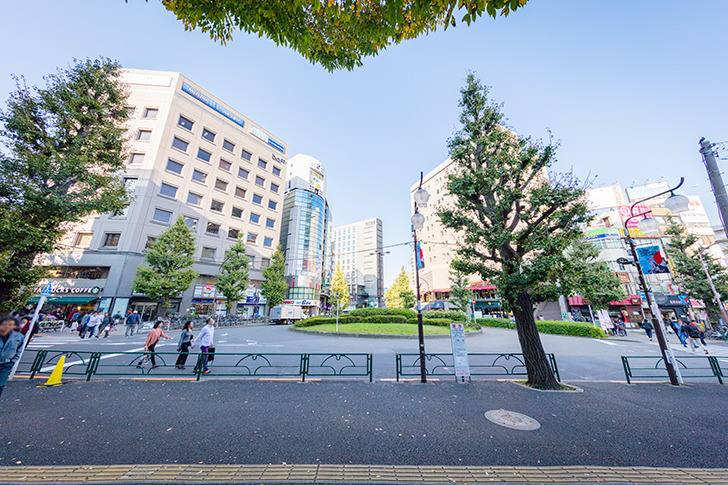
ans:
(418, 222)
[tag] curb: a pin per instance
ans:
(373, 335)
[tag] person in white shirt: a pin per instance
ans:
(93, 323)
(205, 340)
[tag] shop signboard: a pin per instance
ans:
(640, 192)
(604, 197)
(601, 233)
(459, 350)
(637, 233)
(651, 260)
(626, 212)
(623, 276)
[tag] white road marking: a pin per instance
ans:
(604, 342)
(68, 364)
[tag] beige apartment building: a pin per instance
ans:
(191, 156)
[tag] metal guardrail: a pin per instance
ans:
(127, 364)
(480, 365)
(685, 364)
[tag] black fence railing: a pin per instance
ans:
(690, 366)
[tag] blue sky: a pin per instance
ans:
(628, 87)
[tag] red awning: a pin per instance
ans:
(438, 291)
(577, 301)
(489, 287)
(631, 300)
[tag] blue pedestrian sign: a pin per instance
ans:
(47, 290)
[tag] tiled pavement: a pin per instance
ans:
(357, 474)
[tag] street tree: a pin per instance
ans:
(339, 286)
(335, 34)
(460, 295)
(274, 286)
(233, 279)
(515, 219)
(168, 272)
(64, 161)
(683, 249)
(400, 295)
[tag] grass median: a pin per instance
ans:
(381, 328)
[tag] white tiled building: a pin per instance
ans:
(358, 252)
(191, 156)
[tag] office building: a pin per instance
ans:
(305, 234)
(359, 253)
(193, 156)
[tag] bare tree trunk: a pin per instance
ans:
(540, 374)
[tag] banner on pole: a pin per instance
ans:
(651, 260)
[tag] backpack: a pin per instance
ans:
(700, 327)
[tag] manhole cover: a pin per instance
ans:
(512, 420)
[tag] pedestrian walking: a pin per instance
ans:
(82, 324)
(184, 345)
(11, 343)
(694, 336)
(154, 335)
(93, 323)
(647, 327)
(132, 320)
(105, 326)
(205, 340)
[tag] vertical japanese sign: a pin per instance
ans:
(459, 351)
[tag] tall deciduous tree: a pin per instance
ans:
(334, 33)
(65, 159)
(516, 222)
(339, 286)
(400, 295)
(274, 286)
(583, 274)
(460, 295)
(683, 249)
(168, 272)
(233, 279)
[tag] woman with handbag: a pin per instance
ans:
(205, 341)
(184, 345)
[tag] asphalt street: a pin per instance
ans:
(119, 421)
(579, 359)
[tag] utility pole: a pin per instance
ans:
(716, 181)
(716, 295)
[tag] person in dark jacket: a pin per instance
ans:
(106, 324)
(647, 327)
(184, 345)
(694, 337)
(11, 344)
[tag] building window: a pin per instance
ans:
(246, 155)
(228, 145)
(243, 174)
(264, 262)
(276, 171)
(237, 213)
(130, 110)
(254, 218)
(185, 123)
(233, 233)
(136, 159)
(151, 113)
(259, 181)
(168, 190)
(262, 164)
(274, 187)
(225, 165)
(198, 176)
(257, 199)
(267, 242)
(162, 216)
(272, 204)
(216, 206)
(240, 192)
(83, 239)
(194, 199)
(150, 242)
(144, 135)
(180, 144)
(221, 185)
(208, 253)
(208, 135)
(252, 238)
(204, 155)
(270, 223)
(174, 167)
(213, 229)
(191, 222)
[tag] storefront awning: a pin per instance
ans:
(61, 300)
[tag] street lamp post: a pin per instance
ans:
(418, 222)
(716, 295)
(675, 203)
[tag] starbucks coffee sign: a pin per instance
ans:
(72, 290)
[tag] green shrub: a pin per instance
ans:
(369, 312)
(453, 315)
(384, 319)
(307, 322)
(554, 327)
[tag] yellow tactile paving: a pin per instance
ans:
(357, 473)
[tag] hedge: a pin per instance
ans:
(370, 312)
(452, 315)
(441, 322)
(554, 327)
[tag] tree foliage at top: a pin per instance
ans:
(168, 272)
(64, 161)
(338, 285)
(274, 286)
(233, 279)
(515, 221)
(335, 33)
(460, 295)
(400, 295)
(683, 249)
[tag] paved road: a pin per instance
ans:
(579, 358)
(443, 423)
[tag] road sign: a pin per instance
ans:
(47, 290)
(459, 351)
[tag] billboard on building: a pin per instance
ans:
(626, 212)
(639, 192)
(695, 215)
(651, 260)
(604, 197)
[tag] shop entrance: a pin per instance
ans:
(147, 311)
